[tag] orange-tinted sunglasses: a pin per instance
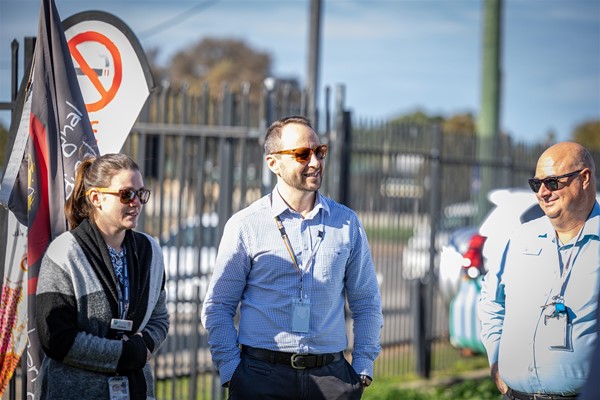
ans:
(303, 154)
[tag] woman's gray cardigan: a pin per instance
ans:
(76, 300)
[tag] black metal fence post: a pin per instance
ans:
(422, 290)
(345, 145)
(336, 138)
(417, 311)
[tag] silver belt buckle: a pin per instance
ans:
(293, 361)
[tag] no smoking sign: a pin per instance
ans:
(113, 74)
(99, 68)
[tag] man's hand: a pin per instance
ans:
(502, 387)
(365, 380)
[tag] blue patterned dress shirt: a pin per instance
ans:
(255, 271)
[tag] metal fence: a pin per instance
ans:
(201, 155)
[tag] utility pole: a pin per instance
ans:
(314, 40)
(488, 126)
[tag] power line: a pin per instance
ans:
(177, 19)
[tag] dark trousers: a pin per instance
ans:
(257, 379)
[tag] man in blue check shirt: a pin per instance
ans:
(539, 300)
(289, 261)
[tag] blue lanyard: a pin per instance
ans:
(122, 282)
(568, 266)
(123, 292)
(558, 300)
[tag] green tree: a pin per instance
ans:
(588, 134)
(417, 117)
(217, 61)
(459, 123)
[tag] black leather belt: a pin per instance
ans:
(294, 360)
(535, 396)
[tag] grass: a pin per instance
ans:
(470, 389)
(463, 378)
(389, 234)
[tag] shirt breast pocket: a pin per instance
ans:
(532, 251)
(330, 265)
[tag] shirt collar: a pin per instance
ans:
(279, 206)
(591, 227)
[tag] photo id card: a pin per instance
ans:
(300, 316)
(121, 324)
(118, 388)
(556, 330)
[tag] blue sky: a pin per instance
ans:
(393, 56)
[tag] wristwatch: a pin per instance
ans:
(365, 380)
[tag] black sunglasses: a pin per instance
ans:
(551, 183)
(126, 196)
(303, 154)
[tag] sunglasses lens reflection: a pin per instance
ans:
(321, 152)
(303, 154)
(127, 195)
(535, 184)
(550, 183)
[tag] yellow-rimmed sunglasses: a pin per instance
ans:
(126, 196)
(303, 154)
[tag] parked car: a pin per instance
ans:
(466, 246)
(416, 254)
(465, 257)
(463, 251)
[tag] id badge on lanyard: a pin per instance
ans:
(300, 315)
(118, 388)
(300, 306)
(556, 321)
(122, 325)
(557, 330)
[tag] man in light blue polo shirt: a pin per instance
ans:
(539, 301)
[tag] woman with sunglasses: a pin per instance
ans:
(101, 304)
(539, 300)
